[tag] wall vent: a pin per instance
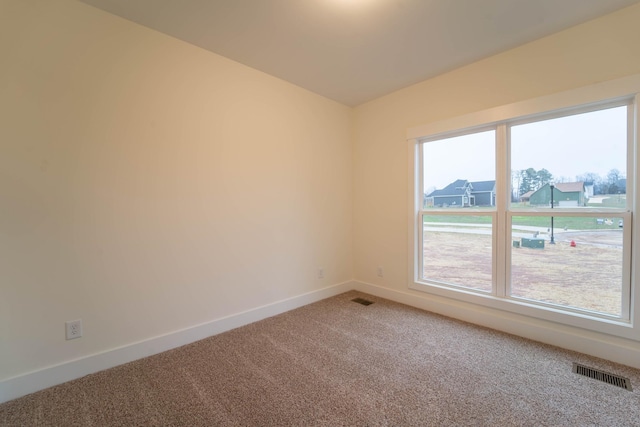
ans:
(362, 301)
(606, 377)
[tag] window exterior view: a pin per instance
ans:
(555, 234)
(463, 193)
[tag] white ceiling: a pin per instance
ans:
(353, 51)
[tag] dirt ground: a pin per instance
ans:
(588, 276)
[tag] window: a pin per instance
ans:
(459, 174)
(575, 165)
(532, 214)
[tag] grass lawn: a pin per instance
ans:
(570, 222)
(574, 223)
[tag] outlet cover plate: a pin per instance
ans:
(73, 329)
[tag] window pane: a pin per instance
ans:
(584, 156)
(460, 172)
(582, 269)
(457, 250)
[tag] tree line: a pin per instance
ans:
(525, 180)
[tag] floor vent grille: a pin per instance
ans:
(362, 301)
(606, 377)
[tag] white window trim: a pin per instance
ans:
(604, 93)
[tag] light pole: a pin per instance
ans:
(552, 242)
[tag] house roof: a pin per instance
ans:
(527, 194)
(570, 187)
(456, 188)
(478, 186)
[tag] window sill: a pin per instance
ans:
(596, 322)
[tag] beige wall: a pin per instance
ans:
(599, 50)
(147, 185)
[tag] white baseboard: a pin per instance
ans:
(21, 385)
(595, 344)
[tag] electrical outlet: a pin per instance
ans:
(74, 329)
(380, 272)
(321, 273)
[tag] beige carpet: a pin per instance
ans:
(339, 363)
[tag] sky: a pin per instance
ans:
(566, 147)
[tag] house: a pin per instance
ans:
(458, 193)
(589, 187)
(161, 193)
(462, 193)
(484, 192)
(526, 196)
(565, 194)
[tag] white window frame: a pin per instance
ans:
(583, 99)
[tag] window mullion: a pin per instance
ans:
(502, 200)
(631, 303)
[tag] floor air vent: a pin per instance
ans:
(606, 377)
(362, 301)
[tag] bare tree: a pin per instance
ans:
(613, 177)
